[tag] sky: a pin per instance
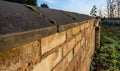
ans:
(79, 6)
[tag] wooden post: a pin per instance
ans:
(97, 33)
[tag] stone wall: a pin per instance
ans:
(69, 50)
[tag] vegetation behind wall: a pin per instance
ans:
(31, 2)
(108, 56)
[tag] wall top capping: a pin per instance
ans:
(20, 24)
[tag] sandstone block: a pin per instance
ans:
(17, 58)
(76, 30)
(69, 34)
(52, 41)
(76, 49)
(78, 38)
(82, 42)
(68, 46)
(68, 59)
(49, 62)
(59, 67)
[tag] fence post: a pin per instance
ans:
(97, 33)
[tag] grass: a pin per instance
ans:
(107, 58)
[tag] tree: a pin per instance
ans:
(93, 11)
(113, 8)
(44, 5)
(30, 2)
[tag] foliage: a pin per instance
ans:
(93, 11)
(44, 5)
(107, 58)
(30, 2)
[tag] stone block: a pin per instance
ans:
(69, 34)
(59, 67)
(17, 58)
(68, 59)
(78, 64)
(68, 46)
(76, 30)
(78, 38)
(82, 42)
(87, 25)
(77, 48)
(52, 41)
(82, 27)
(49, 62)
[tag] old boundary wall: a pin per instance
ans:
(61, 47)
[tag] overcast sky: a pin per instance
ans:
(80, 6)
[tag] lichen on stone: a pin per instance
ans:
(54, 22)
(33, 8)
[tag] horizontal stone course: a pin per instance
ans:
(52, 41)
(49, 62)
(68, 46)
(17, 58)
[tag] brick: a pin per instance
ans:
(68, 46)
(49, 62)
(76, 30)
(76, 49)
(52, 41)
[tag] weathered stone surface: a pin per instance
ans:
(14, 40)
(59, 67)
(69, 34)
(68, 59)
(78, 38)
(64, 63)
(19, 25)
(68, 46)
(75, 30)
(76, 62)
(20, 57)
(16, 18)
(52, 41)
(82, 41)
(49, 62)
(65, 27)
(71, 55)
(74, 42)
(56, 15)
(78, 17)
(77, 48)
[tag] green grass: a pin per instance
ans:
(107, 58)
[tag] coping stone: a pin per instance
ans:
(15, 17)
(56, 15)
(20, 25)
(13, 40)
